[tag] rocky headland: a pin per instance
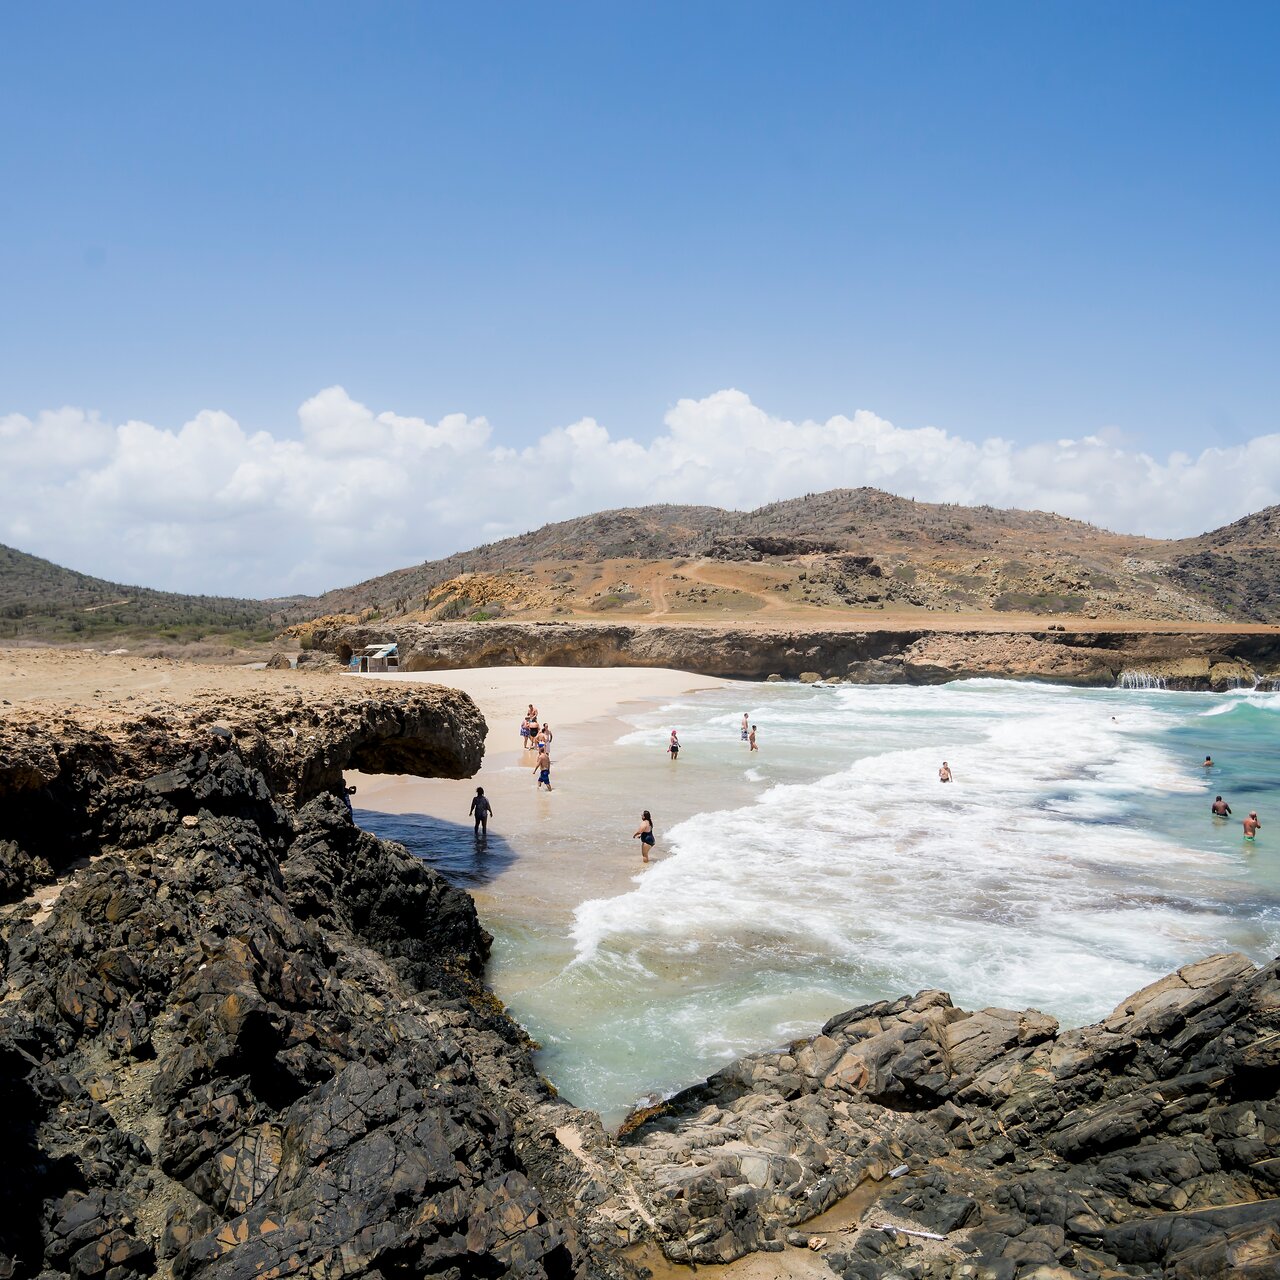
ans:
(1176, 659)
(239, 1037)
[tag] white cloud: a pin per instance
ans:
(209, 507)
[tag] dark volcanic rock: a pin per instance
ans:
(119, 777)
(251, 1040)
(1148, 1140)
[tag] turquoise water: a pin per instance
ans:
(1072, 861)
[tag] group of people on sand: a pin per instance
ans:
(1221, 809)
(537, 738)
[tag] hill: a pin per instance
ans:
(40, 600)
(847, 549)
(805, 561)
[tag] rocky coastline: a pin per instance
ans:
(239, 1037)
(1172, 659)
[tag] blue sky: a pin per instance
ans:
(1028, 221)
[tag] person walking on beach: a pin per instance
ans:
(542, 767)
(944, 774)
(752, 739)
(481, 810)
(1220, 808)
(673, 747)
(1251, 825)
(745, 722)
(644, 833)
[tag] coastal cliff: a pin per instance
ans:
(1176, 659)
(239, 1037)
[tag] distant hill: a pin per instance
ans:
(795, 562)
(40, 600)
(843, 549)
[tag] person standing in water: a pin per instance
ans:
(644, 833)
(673, 747)
(1251, 825)
(752, 739)
(745, 723)
(542, 767)
(1208, 763)
(481, 809)
(944, 774)
(1220, 808)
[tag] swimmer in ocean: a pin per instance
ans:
(944, 774)
(1208, 763)
(1220, 808)
(1251, 826)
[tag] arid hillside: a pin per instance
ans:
(43, 601)
(845, 552)
(859, 557)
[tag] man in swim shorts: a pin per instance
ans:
(944, 774)
(542, 765)
(1251, 826)
(1220, 808)
(744, 726)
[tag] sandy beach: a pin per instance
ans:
(573, 824)
(576, 702)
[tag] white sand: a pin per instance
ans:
(580, 705)
(564, 696)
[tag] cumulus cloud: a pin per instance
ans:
(351, 493)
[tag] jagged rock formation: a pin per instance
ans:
(72, 782)
(245, 1039)
(1151, 1140)
(874, 657)
(249, 1039)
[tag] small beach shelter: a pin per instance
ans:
(378, 657)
